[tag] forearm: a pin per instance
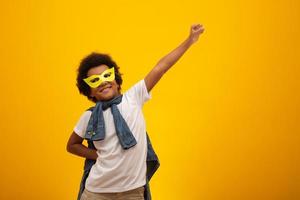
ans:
(170, 59)
(82, 151)
(165, 64)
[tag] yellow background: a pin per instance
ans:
(224, 120)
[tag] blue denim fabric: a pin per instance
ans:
(152, 165)
(96, 127)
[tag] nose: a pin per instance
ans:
(104, 83)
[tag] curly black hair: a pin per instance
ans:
(94, 60)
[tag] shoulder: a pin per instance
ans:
(138, 92)
(82, 123)
(85, 116)
(138, 86)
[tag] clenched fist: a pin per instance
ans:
(195, 32)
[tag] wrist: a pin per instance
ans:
(190, 41)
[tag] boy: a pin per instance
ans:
(115, 127)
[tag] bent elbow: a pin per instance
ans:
(68, 148)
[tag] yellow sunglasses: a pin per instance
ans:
(96, 80)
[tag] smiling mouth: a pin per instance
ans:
(105, 88)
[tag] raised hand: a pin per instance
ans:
(195, 32)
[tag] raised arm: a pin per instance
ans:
(170, 59)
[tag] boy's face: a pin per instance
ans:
(105, 91)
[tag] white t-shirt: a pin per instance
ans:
(118, 170)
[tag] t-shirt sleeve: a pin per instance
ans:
(139, 92)
(82, 123)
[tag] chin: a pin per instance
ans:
(107, 97)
